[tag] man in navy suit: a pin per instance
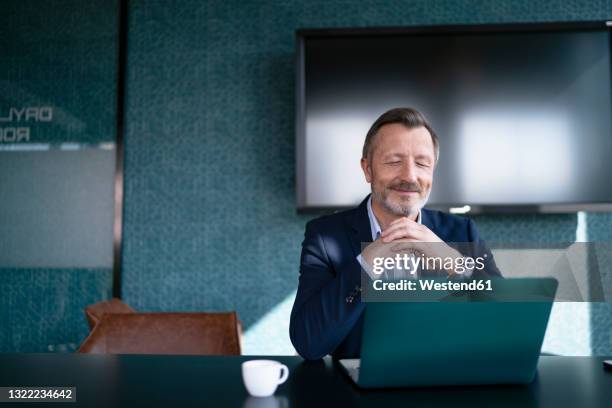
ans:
(399, 156)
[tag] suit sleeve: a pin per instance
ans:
(480, 249)
(322, 316)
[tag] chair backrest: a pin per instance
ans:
(165, 333)
(93, 313)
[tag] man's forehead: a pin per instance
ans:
(398, 137)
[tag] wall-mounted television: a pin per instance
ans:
(523, 112)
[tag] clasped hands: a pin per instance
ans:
(404, 236)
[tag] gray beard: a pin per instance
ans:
(398, 209)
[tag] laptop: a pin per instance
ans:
(479, 339)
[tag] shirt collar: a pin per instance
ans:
(375, 226)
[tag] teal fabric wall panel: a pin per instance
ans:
(41, 310)
(210, 221)
(63, 54)
(599, 227)
(57, 185)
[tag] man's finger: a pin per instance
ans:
(397, 226)
(404, 222)
(403, 245)
(398, 233)
(400, 220)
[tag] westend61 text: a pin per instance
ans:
(431, 284)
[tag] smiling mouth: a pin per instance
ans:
(407, 192)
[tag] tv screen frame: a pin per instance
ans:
(302, 35)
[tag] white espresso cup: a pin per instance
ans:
(261, 377)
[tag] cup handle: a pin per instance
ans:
(284, 374)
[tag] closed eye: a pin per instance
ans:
(392, 163)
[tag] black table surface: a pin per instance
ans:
(213, 381)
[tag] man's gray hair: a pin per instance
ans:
(409, 117)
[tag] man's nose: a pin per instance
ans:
(409, 172)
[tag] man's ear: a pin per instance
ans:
(367, 170)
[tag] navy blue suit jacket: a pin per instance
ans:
(322, 320)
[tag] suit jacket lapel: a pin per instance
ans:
(360, 224)
(426, 219)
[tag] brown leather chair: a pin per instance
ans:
(165, 333)
(94, 312)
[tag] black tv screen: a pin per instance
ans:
(522, 112)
